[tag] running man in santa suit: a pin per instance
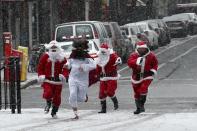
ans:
(144, 66)
(50, 76)
(80, 63)
(107, 70)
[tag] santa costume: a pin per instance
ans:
(144, 68)
(50, 76)
(80, 64)
(107, 70)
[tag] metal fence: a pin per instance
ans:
(10, 91)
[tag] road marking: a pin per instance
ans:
(163, 64)
(178, 57)
(174, 46)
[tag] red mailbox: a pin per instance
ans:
(7, 44)
(8, 52)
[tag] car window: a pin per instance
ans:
(134, 30)
(126, 30)
(153, 25)
(99, 30)
(107, 27)
(103, 31)
(64, 31)
(117, 31)
(142, 28)
(84, 30)
(150, 27)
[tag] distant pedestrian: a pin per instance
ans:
(80, 64)
(144, 65)
(107, 70)
(50, 76)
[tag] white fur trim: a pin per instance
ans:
(138, 60)
(53, 82)
(110, 78)
(137, 82)
(142, 46)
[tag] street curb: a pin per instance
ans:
(32, 82)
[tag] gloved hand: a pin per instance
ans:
(41, 78)
(62, 78)
(139, 60)
(118, 61)
(152, 73)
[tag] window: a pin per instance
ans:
(64, 31)
(107, 27)
(84, 30)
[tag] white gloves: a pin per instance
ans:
(118, 61)
(61, 77)
(41, 78)
(139, 60)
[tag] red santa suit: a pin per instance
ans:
(144, 70)
(107, 70)
(142, 73)
(50, 69)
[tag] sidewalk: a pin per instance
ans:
(90, 120)
(31, 79)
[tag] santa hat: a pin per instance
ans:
(53, 45)
(141, 44)
(104, 47)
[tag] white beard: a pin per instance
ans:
(56, 56)
(103, 59)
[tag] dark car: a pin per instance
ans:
(177, 28)
(190, 20)
(120, 45)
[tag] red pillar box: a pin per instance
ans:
(7, 51)
(7, 44)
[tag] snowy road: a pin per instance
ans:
(171, 104)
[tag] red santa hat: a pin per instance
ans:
(105, 47)
(53, 45)
(141, 44)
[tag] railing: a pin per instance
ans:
(10, 91)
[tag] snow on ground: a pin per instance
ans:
(90, 120)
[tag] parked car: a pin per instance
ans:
(177, 28)
(131, 33)
(67, 47)
(163, 38)
(189, 19)
(145, 27)
(94, 29)
(164, 26)
(120, 45)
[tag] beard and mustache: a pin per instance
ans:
(103, 58)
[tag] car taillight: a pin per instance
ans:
(93, 55)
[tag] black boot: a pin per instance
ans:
(54, 111)
(142, 100)
(138, 110)
(115, 101)
(47, 107)
(103, 107)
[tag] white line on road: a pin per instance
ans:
(160, 66)
(178, 57)
(173, 46)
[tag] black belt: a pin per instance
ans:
(145, 74)
(108, 74)
(53, 78)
